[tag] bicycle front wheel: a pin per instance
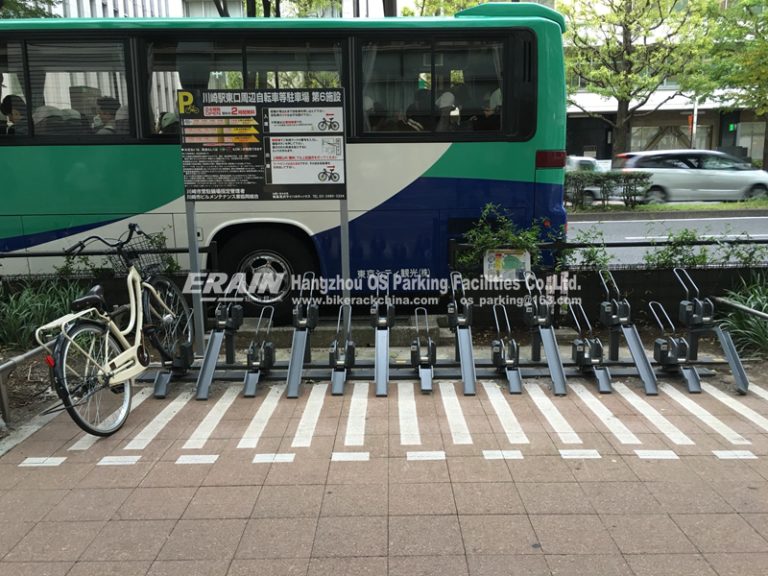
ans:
(171, 327)
(83, 385)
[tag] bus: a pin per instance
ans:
(443, 117)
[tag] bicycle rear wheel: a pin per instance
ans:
(82, 384)
(169, 330)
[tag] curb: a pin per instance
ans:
(699, 214)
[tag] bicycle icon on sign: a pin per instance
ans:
(328, 123)
(328, 173)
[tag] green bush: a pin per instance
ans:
(630, 186)
(679, 252)
(750, 333)
(28, 305)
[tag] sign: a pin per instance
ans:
(506, 264)
(263, 144)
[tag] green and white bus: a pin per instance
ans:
(443, 116)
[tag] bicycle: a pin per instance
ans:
(328, 173)
(93, 361)
(328, 124)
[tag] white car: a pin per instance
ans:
(700, 175)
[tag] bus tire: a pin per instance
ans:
(263, 252)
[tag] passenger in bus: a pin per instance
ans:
(73, 122)
(420, 110)
(107, 110)
(48, 120)
(445, 105)
(122, 125)
(490, 118)
(169, 123)
(15, 109)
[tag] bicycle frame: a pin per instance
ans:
(125, 365)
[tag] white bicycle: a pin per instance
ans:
(93, 359)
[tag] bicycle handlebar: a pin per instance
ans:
(133, 228)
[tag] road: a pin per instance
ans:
(720, 225)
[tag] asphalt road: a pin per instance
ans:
(649, 227)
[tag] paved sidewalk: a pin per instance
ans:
(410, 484)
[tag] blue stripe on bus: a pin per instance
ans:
(12, 243)
(430, 211)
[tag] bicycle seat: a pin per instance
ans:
(94, 298)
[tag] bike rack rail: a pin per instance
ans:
(538, 317)
(460, 322)
(423, 350)
(616, 314)
(382, 319)
(261, 353)
(305, 317)
(341, 355)
(229, 317)
(587, 350)
(698, 316)
(673, 352)
(505, 353)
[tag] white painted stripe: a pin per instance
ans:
(426, 455)
(269, 458)
(87, 440)
(350, 456)
(118, 460)
(552, 414)
(406, 410)
(762, 392)
(734, 454)
(657, 455)
(740, 407)
(259, 422)
(654, 416)
(208, 424)
(197, 459)
(456, 422)
(356, 420)
(709, 419)
(151, 430)
(48, 462)
(308, 422)
(504, 413)
(502, 455)
(614, 425)
(580, 454)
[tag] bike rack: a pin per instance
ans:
(615, 314)
(423, 350)
(181, 363)
(587, 350)
(341, 356)
(305, 317)
(261, 353)
(672, 352)
(460, 322)
(698, 316)
(538, 317)
(382, 319)
(229, 317)
(505, 353)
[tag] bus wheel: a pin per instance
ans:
(268, 259)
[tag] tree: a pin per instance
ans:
(438, 7)
(739, 63)
(26, 8)
(626, 49)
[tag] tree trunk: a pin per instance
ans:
(267, 7)
(250, 8)
(765, 145)
(621, 140)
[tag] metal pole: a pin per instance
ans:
(741, 307)
(695, 121)
(194, 268)
(345, 265)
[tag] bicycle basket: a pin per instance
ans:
(139, 252)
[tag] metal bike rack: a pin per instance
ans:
(305, 317)
(261, 353)
(672, 352)
(341, 356)
(505, 353)
(423, 350)
(460, 322)
(698, 316)
(587, 350)
(538, 317)
(615, 314)
(382, 319)
(181, 363)
(229, 317)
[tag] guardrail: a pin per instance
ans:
(5, 371)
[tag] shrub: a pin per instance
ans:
(679, 252)
(750, 333)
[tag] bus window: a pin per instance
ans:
(14, 115)
(315, 64)
(202, 65)
(78, 88)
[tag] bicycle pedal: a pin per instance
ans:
(118, 389)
